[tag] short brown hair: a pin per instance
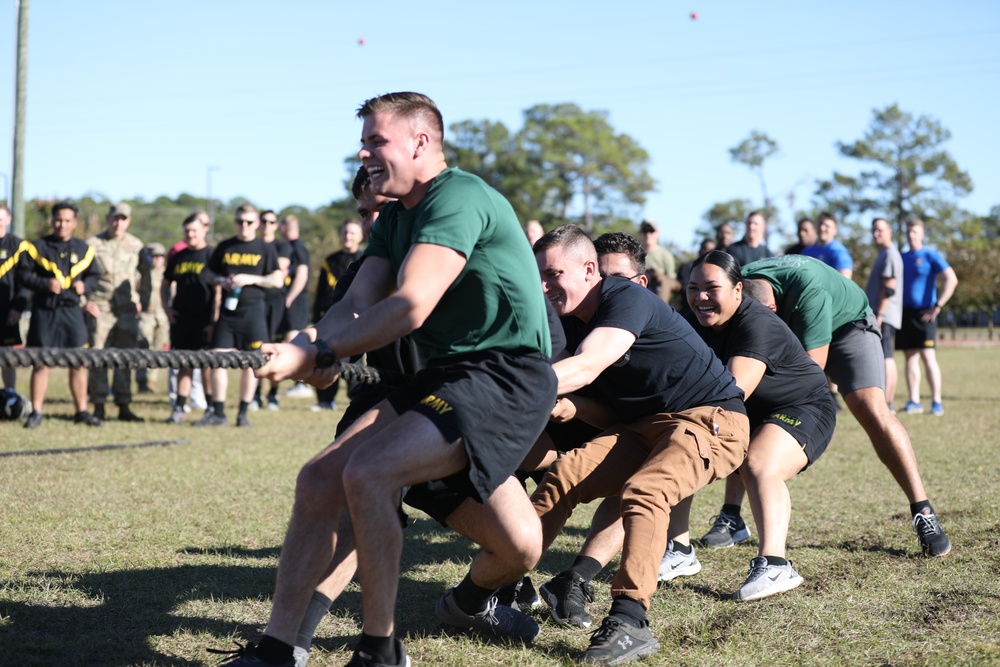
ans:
(414, 106)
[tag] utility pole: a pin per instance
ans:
(20, 96)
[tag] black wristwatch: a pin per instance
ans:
(325, 357)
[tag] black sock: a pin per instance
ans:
(731, 510)
(318, 608)
(917, 508)
(272, 394)
(774, 560)
(629, 609)
(208, 399)
(243, 407)
(273, 651)
(471, 598)
(586, 567)
(219, 407)
(682, 548)
(382, 649)
(180, 402)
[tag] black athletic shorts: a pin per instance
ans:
(570, 435)
(57, 327)
(242, 329)
(811, 424)
(496, 403)
(9, 335)
(916, 334)
(190, 333)
(888, 340)
(295, 318)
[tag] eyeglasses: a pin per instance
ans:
(619, 275)
(245, 222)
(270, 222)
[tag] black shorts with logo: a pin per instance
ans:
(915, 334)
(496, 403)
(242, 329)
(190, 332)
(811, 424)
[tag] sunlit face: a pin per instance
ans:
(63, 224)
(915, 236)
(807, 233)
(827, 231)
(246, 226)
(881, 233)
(269, 226)
(619, 264)
(351, 237)
(388, 147)
(567, 277)
(756, 227)
(118, 225)
(712, 297)
(195, 233)
(4, 221)
(369, 206)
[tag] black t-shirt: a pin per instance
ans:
(193, 295)
(252, 257)
(283, 250)
(791, 378)
(669, 368)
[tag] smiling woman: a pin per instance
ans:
(792, 418)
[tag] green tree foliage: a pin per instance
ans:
(911, 174)
(753, 152)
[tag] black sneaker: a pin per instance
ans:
(99, 410)
(496, 622)
(246, 656)
(125, 414)
(211, 419)
(362, 659)
(568, 594)
(618, 641)
(932, 538)
(725, 532)
(520, 593)
(84, 417)
(34, 420)
(241, 420)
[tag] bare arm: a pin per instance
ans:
(602, 347)
(819, 355)
(748, 373)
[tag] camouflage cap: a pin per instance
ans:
(121, 208)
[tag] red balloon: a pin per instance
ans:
(361, 42)
(694, 16)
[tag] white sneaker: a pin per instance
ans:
(300, 390)
(765, 580)
(676, 564)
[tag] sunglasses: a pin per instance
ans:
(245, 222)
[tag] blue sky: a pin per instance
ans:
(132, 99)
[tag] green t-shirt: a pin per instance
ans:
(496, 302)
(814, 300)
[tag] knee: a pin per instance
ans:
(522, 548)
(314, 489)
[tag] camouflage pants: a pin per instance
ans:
(119, 331)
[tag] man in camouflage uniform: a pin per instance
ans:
(113, 308)
(153, 323)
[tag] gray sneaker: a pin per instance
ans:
(725, 532)
(618, 641)
(933, 539)
(765, 580)
(210, 419)
(178, 416)
(496, 622)
(676, 564)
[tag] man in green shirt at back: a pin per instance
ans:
(830, 315)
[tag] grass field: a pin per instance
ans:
(150, 555)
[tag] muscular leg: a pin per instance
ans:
(774, 457)
(220, 384)
(889, 438)
(310, 542)
(184, 377)
(913, 374)
(407, 451)
(929, 356)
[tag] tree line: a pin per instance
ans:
(566, 164)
